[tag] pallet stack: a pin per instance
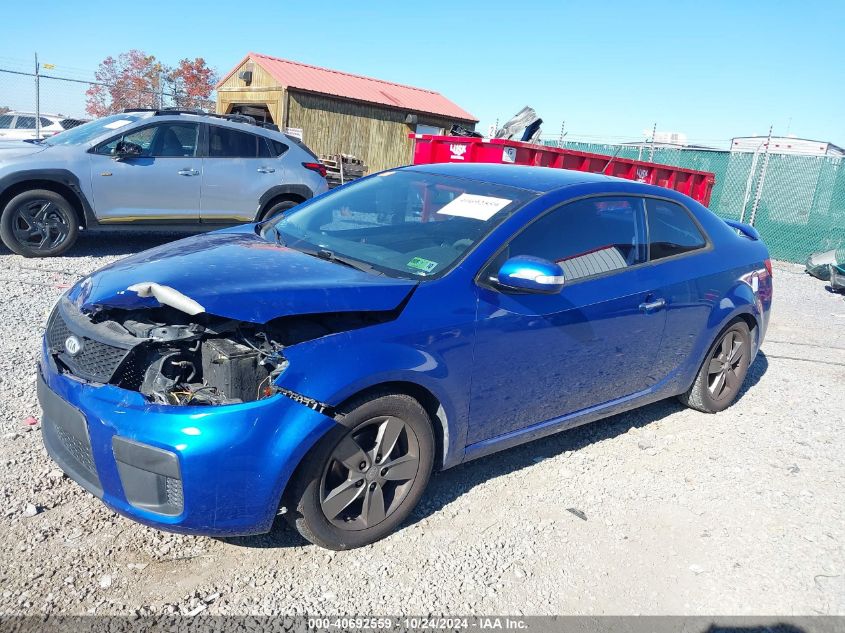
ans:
(341, 168)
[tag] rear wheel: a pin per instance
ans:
(39, 223)
(721, 376)
(278, 208)
(363, 479)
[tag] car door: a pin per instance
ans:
(237, 170)
(540, 356)
(161, 184)
(676, 246)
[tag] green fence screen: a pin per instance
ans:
(799, 200)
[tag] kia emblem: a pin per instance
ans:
(73, 345)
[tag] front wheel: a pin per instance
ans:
(721, 376)
(39, 223)
(364, 478)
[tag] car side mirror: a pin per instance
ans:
(125, 149)
(531, 274)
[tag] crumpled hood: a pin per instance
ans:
(239, 275)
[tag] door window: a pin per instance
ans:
(227, 143)
(165, 140)
(587, 238)
(25, 123)
(671, 230)
(6, 121)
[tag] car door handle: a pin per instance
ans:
(189, 172)
(652, 306)
(266, 170)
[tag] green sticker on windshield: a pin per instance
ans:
(422, 264)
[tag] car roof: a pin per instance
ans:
(243, 126)
(46, 114)
(537, 179)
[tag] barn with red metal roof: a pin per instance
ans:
(338, 112)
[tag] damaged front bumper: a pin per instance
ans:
(216, 471)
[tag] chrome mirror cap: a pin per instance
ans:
(531, 274)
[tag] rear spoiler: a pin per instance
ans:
(746, 229)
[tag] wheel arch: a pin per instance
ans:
(60, 182)
(428, 401)
(279, 193)
(745, 314)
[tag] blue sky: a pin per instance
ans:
(609, 69)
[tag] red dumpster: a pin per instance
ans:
(429, 148)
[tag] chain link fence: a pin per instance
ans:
(44, 95)
(797, 203)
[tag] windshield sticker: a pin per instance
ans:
(425, 265)
(468, 205)
(116, 124)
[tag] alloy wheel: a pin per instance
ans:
(369, 473)
(40, 225)
(724, 369)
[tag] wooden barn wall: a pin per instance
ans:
(263, 90)
(377, 135)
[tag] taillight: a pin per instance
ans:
(320, 168)
(768, 265)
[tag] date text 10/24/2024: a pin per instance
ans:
(418, 623)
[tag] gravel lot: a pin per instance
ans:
(737, 513)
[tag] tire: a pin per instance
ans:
(336, 490)
(39, 223)
(720, 377)
(277, 208)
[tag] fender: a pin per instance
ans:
(739, 301)
(280, 190)
(351, 367)
(60, 176)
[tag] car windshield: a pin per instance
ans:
(403, 223)
(91, 130)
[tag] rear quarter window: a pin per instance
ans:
(671, 230)
(277, 148)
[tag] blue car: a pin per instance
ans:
(322, 364)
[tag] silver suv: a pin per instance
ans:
(150, 169)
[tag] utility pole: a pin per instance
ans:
(160, 90)
(562, 133)
(762, 181)
(651, 150)
(37, 98)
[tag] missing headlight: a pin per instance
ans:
(175, 358)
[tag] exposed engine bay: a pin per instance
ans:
(175, 358)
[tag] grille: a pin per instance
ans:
(78, 449)
(131, 373)
(57, 332)
(97, 361)
(173, 492)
